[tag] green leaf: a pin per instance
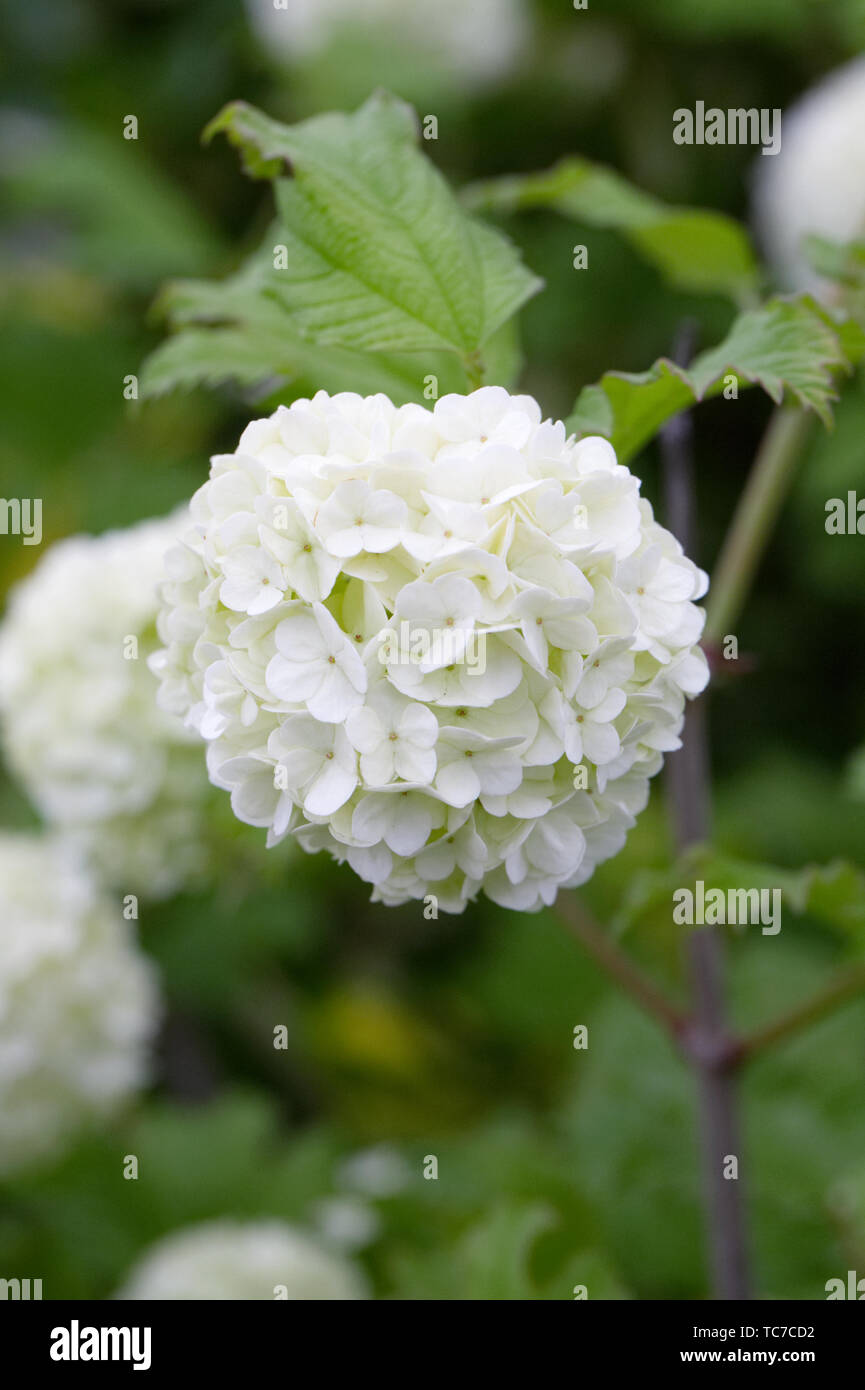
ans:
(836, 260)
(787, 345)
(236, 330)
(500, 1258)
(380, 255)
(209, 357)
(843, 263)
(593, 1270)
(494, 1255)
(832, 895)
(386, 281)
(696, 250)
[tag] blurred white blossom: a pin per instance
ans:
(478, 41)
(232, 1260)
(380, 1171)
(346, 1222)
(78, 1001)
(80, 725)
(816, 185)
(477, 694)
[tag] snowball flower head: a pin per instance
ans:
(816, 185)
(78, 1001)
(78, 713)
(233, 1261)
(449, 646)
(478, 41)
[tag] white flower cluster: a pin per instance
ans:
(78, 713)
(78, 1002)
(816, 185)
(230, 1260)
(478, 41)
(449, 646)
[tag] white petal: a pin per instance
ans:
(330, 790)
(458, 782)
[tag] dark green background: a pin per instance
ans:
(453, 1037)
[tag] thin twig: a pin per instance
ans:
(842, 988)
(617, 963)
(475, 369)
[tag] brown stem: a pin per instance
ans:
(707, 1041)
(711, 1052)
(617, 963)
(843, 987)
